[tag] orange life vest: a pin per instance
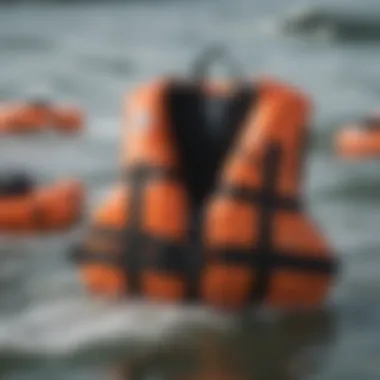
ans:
(214, 217)
(359, 140)
(27, 208)
(35, 117)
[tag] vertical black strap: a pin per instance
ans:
(265, 242)
(132, 243)
(194, 256)
(136, 243)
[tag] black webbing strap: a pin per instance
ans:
(96, 253)
(248, 195)
(264, 257)
(208, 56)
(81, 255)
(155, 252)
(283, 259)
(161, 255)
(194, 255)
(265, 248)
(137, 178)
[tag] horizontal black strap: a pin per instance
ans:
(101, 236)
(162, 256)
(82, 255)
(154, 253)
(106, 233)
(245, 194)
(169, 258)
(143, 172)
(276, 260)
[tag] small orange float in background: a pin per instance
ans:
(36, 116)
(359, 140)
(27, 208)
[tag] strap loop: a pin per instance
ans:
(209, 55)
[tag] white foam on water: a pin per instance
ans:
(70, 325)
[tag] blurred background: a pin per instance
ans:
(92, 53)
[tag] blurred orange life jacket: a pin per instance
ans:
(209, 204)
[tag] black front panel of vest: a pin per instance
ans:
(203, 128)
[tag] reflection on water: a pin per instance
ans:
(290, 348)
